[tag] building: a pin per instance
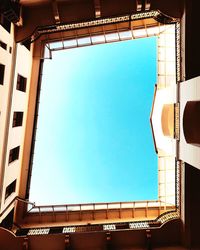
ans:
(30, 31)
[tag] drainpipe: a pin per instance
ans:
(34, 129)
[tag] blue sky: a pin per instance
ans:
(94, 142)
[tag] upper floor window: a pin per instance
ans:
(5, 23)
(10, 189)
(3, 45)
(21, 83)
(27, 44)
(14, 154)
(17, 119)
(2, 70)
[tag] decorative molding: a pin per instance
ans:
(177, 121)
(157, 15)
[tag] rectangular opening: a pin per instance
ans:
(10, 189)
(21, 83)
(27, 44)
(14, 154)
(8, 221)
(5, 23)
(101, 122)
(2, 70)
(3, 45)
(17, 119)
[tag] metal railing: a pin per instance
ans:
(98, 206)
(165, 211)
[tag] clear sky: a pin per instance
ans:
(94, 141)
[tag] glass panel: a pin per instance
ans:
(73, 208)
(125, 35)
(114, 206)
(112, 37)
(171, 80)
(140, 204)
(100, 206)
(56, 45)
(161, 176)
(84, 41)
(161, 54)
(170, 38)
(70, 43)
(161, 68)
(140, 33)
(170, 200)
(170, 55)
(170, 70)
(162, 40)
(127, 205)
(87, 207)
(98, 39)
(46, 209)
(170, 189)
(161, 79)
(60, 208)
(153, 31)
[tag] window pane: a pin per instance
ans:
(21, 83)
(2, 70)
(14, 154)
(10, 189)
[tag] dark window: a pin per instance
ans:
(5, 23)
(17, 119)
(10, 50)
(2, 70)
(8, 221)
(21, 83)
(10, 189)
(3, 45)
(27, 44)
(14, 154)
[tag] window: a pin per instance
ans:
(14, 154)
(17, 119)
(5, 23)
(10, 189)
(21, 83)
(2, 70)
(27, 44)
(3, 45)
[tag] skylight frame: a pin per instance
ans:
(46, 43)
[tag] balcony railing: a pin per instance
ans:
(98, 206)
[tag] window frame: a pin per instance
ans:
(13, 154)
(3, 45)
(10, 189)
(21, 83)
(17, 119)
(2, 73)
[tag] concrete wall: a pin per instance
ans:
(19, 61)
(5, 59)
(189, 91)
